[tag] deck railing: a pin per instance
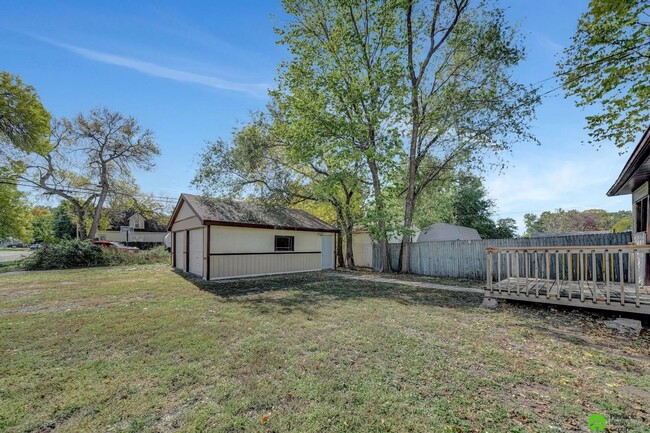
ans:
(596, 274)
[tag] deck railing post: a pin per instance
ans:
(547, 257)
(594, 291)
(499, 271)
(508, 274)
(569, 273)
(637, 275)
(606, 256)
(557, 274)
(489, 270)
(581, 269)
(620, 275)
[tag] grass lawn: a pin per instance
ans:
(141, 348)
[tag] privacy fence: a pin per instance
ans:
(467, 259)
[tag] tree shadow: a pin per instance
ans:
(307, 292)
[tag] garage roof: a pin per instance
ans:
(248, 214)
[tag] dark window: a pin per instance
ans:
(641, 214)
(284, 243)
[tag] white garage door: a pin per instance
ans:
(196, 251)
(327, 252)
(179, 250)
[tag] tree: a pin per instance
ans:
(462, 200)
(343, 80)
(24, 122)
(462, 101)
(62, 224)
(561, 220)
(91, 157)
(24, 127)
(607, 66)
(271, 162)
(42, 224)
(15, 218)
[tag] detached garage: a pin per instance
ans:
(218, 239)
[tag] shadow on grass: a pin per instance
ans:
(309, 291)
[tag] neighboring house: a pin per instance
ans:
(447, 232)
(634, 180)
(218, 239)
(144, 230)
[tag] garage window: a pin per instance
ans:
(284, 243)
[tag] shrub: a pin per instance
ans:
(66, 254)
(83, 254)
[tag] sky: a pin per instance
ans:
(193, 70)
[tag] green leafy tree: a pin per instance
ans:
(24, 122)
(63, 225)
(462, 100)
(343, 81)
(606, 66)
(15, 217)
(561, 221)
(42, 224)
(24, 128)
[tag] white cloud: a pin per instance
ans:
(255, 89)
(547, 179)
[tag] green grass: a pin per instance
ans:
(141, 348)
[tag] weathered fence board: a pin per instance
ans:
(467, 259)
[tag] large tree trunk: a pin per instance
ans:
(409, 203)
(339, 250)
(349, 254)
(98, 214)
(384, 263)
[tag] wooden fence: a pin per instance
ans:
(467, 259)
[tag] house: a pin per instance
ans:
(134, 228)
(447, 232)
(633, 181)
(217, 239)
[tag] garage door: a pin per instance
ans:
(179, 249)
(196, 251)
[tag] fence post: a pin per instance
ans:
(489, 269)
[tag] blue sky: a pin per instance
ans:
(193, 70)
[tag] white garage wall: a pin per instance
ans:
(252, 240)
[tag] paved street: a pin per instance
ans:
(10, 256)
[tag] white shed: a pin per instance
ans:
(447, 232)
(219, 239)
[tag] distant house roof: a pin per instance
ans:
(636, 170)
(448, 232)
(249, 214)
(124, 219)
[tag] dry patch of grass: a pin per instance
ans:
(143, 348)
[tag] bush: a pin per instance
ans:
(66, 254)
(83, 254)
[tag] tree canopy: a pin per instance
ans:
(562, 221)
(607, 66)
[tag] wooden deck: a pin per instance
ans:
(604, 277)
(585, 294)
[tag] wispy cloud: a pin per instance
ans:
(255, 89)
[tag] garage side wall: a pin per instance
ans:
(241, 251)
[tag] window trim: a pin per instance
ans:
(291, 247)
(640, 210)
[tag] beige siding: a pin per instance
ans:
(186, 224)
(640, 192)
(260, 242)
(185, 212)
(252, 240)
(262, 264)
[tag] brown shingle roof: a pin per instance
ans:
(248, 214)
